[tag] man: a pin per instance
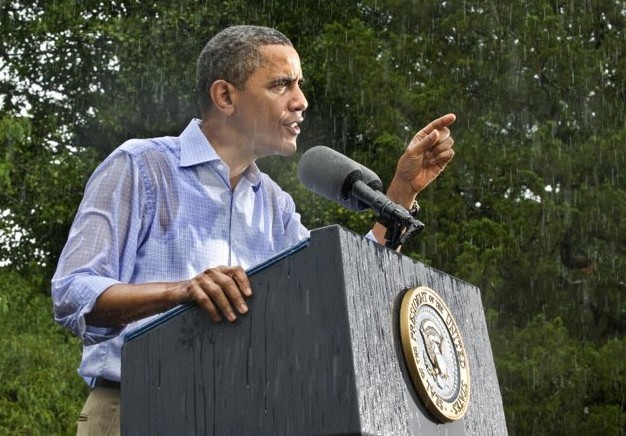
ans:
(171, 220)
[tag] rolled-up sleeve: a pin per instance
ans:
(102, 244)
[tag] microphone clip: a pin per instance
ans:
(401, 225)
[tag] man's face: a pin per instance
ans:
(270, 108)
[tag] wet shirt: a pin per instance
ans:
(162, 209)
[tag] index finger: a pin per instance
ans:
(439, 123)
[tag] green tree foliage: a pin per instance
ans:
(531, 210)
(576, 388)
(41, 184)
(49, 61)
(40, 392)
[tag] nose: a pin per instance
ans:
(299, 102)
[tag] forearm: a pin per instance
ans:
(122, 304)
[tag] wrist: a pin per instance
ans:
(176, 293)
(402, 193)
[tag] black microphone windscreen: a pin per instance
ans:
(331, 175)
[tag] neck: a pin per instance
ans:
(229, 147)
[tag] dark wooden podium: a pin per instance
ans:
(318, 353)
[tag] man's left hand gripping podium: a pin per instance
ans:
(343, 336)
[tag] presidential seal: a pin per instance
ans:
(434, 354)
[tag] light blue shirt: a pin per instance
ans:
(163, 209)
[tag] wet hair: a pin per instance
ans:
(232, 55)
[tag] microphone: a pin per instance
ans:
(354, 186)
(332, 175)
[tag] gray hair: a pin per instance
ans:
(232, 55)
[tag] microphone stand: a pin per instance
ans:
(400, 230)
(400, 224)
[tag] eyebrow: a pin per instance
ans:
(286, 80)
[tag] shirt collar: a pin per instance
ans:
(196, 149)
(253, 175)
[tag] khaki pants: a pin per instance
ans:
(100, 414)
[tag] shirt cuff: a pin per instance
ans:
(371, 237)
(90, 289)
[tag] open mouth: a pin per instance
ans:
(294, 127)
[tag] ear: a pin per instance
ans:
(222, 94)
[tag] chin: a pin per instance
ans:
(289, 152)
(287, 149)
